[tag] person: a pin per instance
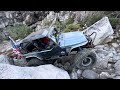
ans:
(45, 42)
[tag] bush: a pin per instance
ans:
(91, 20)
(46, 22)
(60, 25)
(72, 27)
(114, 22)
(19, 32)
(69, 21)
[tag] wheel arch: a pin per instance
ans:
(30, 57)
(78, 46)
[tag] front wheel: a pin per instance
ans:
(85, 59)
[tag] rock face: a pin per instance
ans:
(19, 16)
(82, 15)
(29, 18)
(40, 72)
(11, 18)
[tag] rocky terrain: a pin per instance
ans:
(108, 55)
(40, 19)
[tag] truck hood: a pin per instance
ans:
(72, 39)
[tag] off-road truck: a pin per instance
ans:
(46, 45)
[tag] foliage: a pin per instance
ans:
(70, 20)
(19, 31)
(60, 25)
(47, 22)
(114, 22)
(72, 27)
(91, 20)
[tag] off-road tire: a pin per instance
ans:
(35, 62)
(83, 55)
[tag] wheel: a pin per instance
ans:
(35, 62)
(85, 59)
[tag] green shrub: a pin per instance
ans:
(81, 23)
(60, 25)
(72, 27)
(70, 20)
(19, 32)
(46, 22)
(114, 22)
(91, 20)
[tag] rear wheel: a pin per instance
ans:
(85, 59)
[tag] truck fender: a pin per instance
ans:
(34, 57)
(77, 46)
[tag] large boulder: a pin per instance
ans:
(5, 46)
(117, 65)
(117, 77)
(103, 58)
(117, 73)
(41, 72)
(116, 57)
(5, 59)
(89, 74)
(79, 73)
(74, 75)
(115, 45)
(105, 75)
(101, 63)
